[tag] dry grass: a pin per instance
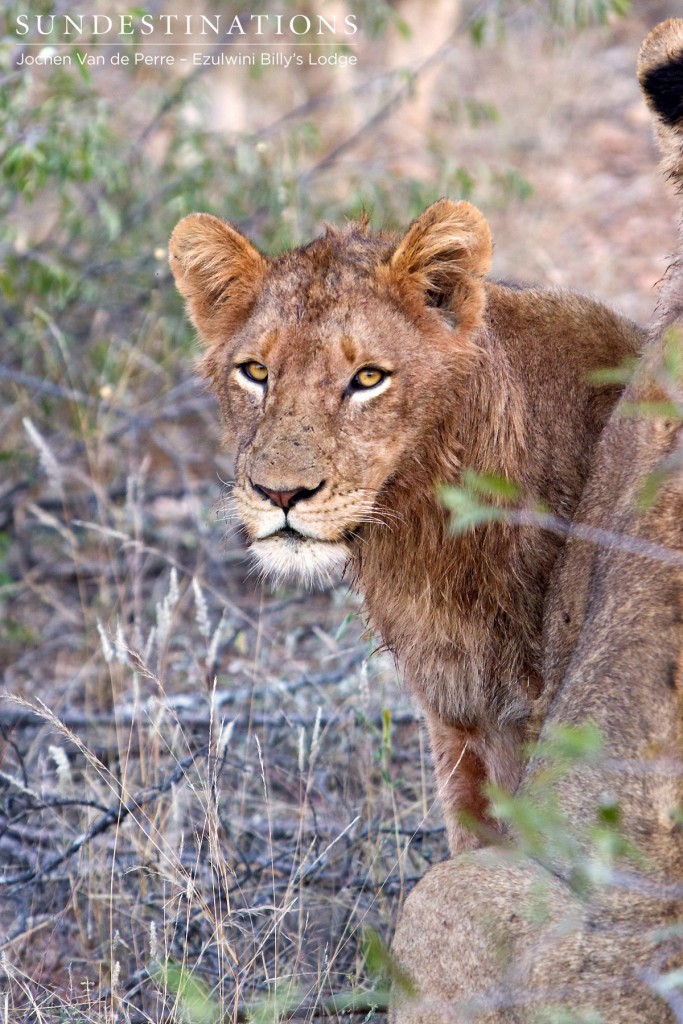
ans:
(209, 789)
(206, 775)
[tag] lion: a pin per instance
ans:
(358, 373)
(470, 934)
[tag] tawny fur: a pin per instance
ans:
(613, 649)
(481, 376)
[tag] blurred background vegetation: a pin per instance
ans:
(210, 789)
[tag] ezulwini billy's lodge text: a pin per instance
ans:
(49, 57)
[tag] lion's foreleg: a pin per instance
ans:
(466, 759)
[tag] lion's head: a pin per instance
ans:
(332, 363)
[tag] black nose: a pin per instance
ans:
(286, 499)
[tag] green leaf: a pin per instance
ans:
(111, 218)
(380, 962)
(478, 112)
(542, 828)
(513, 185)
(622, 374)
(609, 814)
(467, 511)
(403, 28)
(82, 67)
(346, 622)
(669, 982)
(566, 1015)
(572, 744)
(466, 504)
(666, 410)
(477, 29)
(274, 1007)
(651, 487)
(361, 999)
(491, 485)
(192, 994)
(581, 13)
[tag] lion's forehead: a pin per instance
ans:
(314, 298)
(330, 271)
(312, 329)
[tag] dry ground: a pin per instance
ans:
(202, 775)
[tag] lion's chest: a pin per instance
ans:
(467, 640)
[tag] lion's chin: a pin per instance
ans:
(288, 555)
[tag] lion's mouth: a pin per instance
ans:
(288, 533)
(287, 553)
(292, 536)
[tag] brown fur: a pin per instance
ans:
(613, 649)
(482, 376)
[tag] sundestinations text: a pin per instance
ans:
(77, 26)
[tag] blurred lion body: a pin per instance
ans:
(467, 373)
(614, 640)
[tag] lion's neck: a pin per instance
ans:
(482, 428)
(427, 591)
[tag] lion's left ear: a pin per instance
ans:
(446, 252)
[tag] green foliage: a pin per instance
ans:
(194, 1001)
(386, 743)
(668, 377)
(671, 981)
(580, 13)
(564, 1015)
(195, 1004)
(621, 375)
(586, 855)
(663, 409)
(382, 966)
(87, 206)
(673, 356)
(92, 187)
(567, 15)
(274, 1008)
(480, 498)
(377, 16)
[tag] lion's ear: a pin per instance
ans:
(446, 252)
(217, 271)
(660, 72)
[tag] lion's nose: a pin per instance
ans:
(286, 499)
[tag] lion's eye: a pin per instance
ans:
(369, 377)
(255, 371)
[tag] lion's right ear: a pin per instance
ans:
(218, 272)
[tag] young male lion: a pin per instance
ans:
(355, 375)
(511, 941)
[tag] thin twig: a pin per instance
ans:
(596, 535)
(113, 816)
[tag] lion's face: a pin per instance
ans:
(317, 409)
(331, 364)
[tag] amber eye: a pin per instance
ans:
(369, 377)
(255, 371)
